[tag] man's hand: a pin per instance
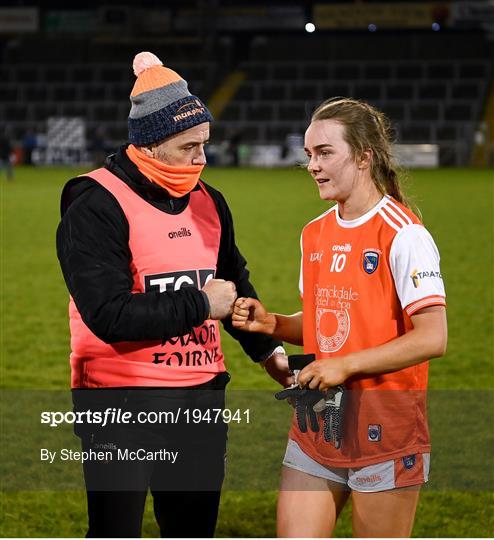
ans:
(221, 295)
(277, 368)
(323, 374)
(250, 315)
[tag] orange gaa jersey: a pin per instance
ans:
(361, 280)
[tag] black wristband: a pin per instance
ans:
(299, 361)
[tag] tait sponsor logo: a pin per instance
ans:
(417, 276)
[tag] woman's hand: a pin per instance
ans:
(277, 367)
(250, 315)
(323, 374)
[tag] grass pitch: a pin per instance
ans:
(270, 207)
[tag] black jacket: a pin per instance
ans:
(92, 246)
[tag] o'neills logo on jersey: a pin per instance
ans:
(416, 276)
(371, 479)
(346, 248)
(198, 109)
(180, 234)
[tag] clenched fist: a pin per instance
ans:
(221, 295)
(250, 315)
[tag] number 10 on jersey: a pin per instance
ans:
(338, 262)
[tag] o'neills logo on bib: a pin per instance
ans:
(179, 234)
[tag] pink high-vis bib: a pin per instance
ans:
(168, 252)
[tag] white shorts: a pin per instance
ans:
(392, 474)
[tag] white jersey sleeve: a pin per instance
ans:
(414, 261)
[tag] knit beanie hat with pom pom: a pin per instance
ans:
(161, 103)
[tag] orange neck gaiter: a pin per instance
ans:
(178, 181)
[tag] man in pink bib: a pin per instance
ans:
(148, 254)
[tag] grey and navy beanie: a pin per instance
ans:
(161, 103)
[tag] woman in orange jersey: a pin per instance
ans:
(373, 314)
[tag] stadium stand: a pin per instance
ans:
(434, 86)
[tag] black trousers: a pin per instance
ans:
(180, 458)
(179, 514)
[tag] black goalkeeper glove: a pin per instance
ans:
(305, 399)
(333, 410)
(308, 403)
